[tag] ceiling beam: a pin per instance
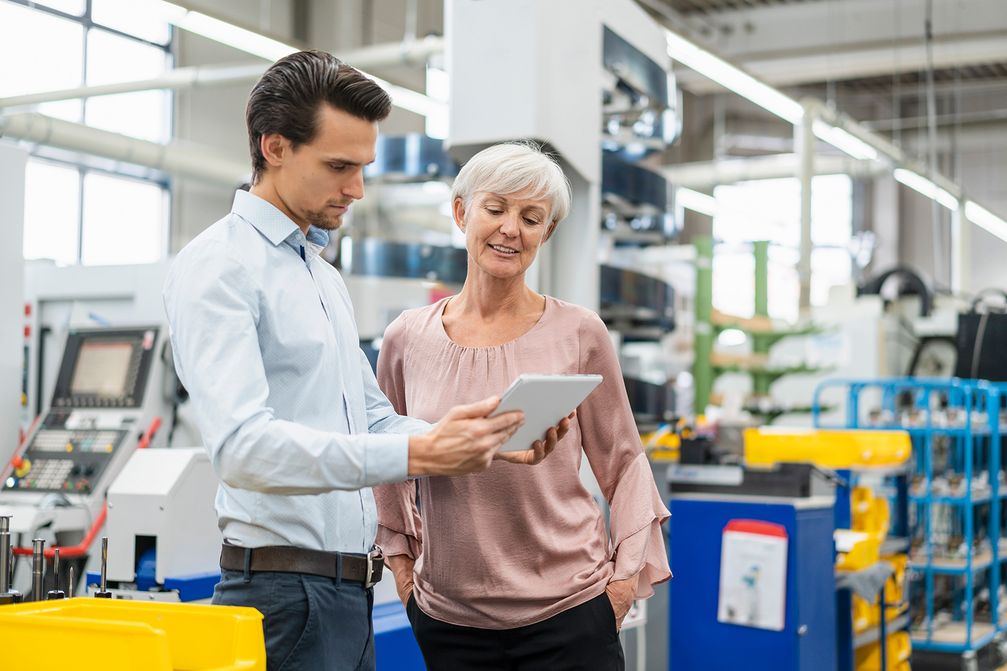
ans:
(821, 41)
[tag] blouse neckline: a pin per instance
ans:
(444, 333)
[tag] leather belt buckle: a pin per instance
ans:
(372, 576)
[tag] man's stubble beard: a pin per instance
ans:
(323, 220)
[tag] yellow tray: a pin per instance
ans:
(88, 634)
(827, 448)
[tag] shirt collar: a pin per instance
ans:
(273, 224)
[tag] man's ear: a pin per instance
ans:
(275, 148)
(458, 210)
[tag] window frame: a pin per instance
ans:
(734, 246)
(40, 153)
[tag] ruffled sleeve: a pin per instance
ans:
(615, 453)
(400, 528)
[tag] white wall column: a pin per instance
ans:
(804, 141)
(13, 160)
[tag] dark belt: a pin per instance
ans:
(364, 569)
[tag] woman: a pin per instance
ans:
(513, 568)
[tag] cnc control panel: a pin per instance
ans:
(95, 407)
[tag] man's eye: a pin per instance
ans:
(338, 167)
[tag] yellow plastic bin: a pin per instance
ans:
(827, 448)
(88, 634)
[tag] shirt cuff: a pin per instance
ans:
(387, 458)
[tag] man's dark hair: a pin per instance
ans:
(287, 98)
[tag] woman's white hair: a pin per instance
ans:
(515, 167)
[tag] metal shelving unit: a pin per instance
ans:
(952, 511)
(709, 323)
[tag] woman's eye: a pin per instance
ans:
(493, 211)
(531, 222)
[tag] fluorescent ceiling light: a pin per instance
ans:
(924, 186)
(844, 141)
(696, 201)
(226, 33)
(738, 81)
(272, 50)
(983, 218)
(414, 101)
(733, 78)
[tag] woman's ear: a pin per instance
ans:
(549, 232)
(458, 210)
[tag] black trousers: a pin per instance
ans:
(582, 638)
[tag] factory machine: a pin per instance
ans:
(55, 484)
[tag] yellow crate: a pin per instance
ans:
(87, 634)
(868, 658)
(869, 514)
(895, 588)
(854, 448)
(866, 614)
(856, 550)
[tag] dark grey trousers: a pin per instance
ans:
(310, 623)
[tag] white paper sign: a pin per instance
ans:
(753, 575)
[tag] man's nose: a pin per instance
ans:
(354, 188)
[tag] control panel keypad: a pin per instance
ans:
(71, 441)
(51, 473)
(64, 460)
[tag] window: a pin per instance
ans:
(79, 210)
(51, 230)
(769, 209)
(115, 226)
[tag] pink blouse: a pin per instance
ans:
(517, 544)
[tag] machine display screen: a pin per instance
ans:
(102, 369)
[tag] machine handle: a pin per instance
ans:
(149, 434)
(78, 550)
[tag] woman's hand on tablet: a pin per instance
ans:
(540, 449)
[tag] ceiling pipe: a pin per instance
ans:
(373, 57)
(178, 160)
(705, 175)
(180, 78)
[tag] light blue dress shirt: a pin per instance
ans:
(265, 342)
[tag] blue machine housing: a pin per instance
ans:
(697, 641)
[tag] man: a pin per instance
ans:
(288, 408)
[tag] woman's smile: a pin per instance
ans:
(503, 250)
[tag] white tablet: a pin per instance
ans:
(544, 400)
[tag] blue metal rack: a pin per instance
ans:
(952, 511)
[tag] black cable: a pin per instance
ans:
(980, 299)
